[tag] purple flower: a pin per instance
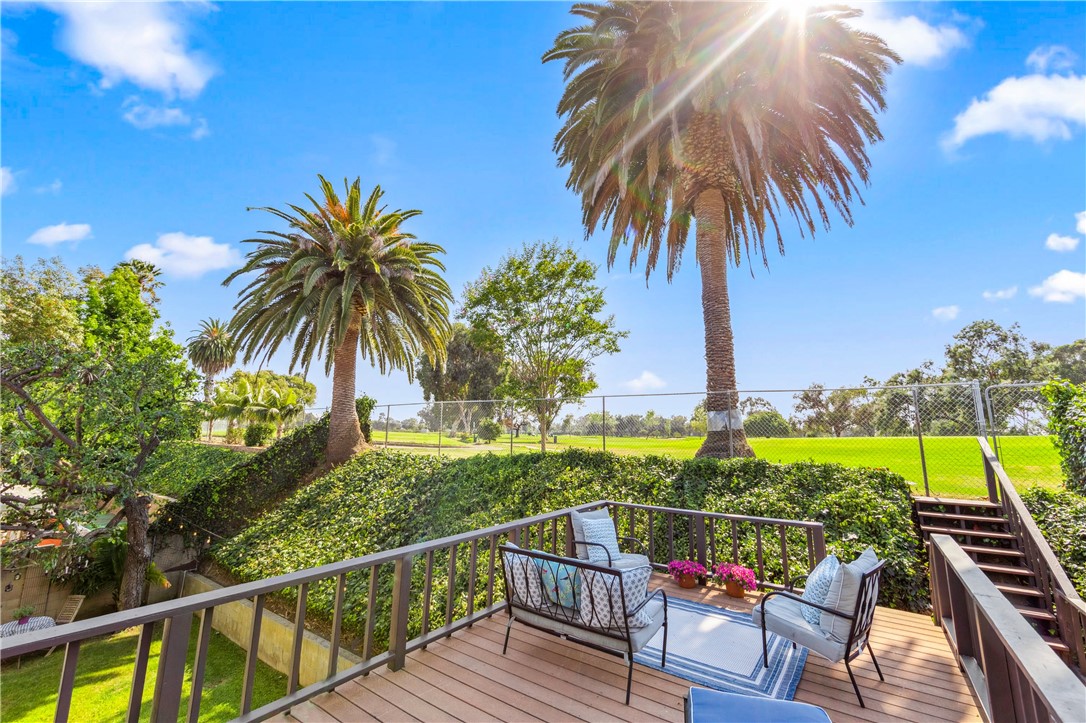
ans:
(678, 568)
(730, 572)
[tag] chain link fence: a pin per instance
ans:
(1017, 416)
(927, 433)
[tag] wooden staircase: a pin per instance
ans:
(980, 528)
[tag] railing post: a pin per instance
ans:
(990, 478)
(920, 439)
(819, 544)
(699, 537)
(401, 601)
(171, 668)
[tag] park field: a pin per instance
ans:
(954, 464)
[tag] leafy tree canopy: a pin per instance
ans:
(40, 303)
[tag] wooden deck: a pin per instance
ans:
(466, 678)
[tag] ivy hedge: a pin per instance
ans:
(225, 504)
(1061, 515)
(179, 465)
(383, 500)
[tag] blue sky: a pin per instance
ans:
(148, 129)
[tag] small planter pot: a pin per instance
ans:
(24, 620)
(734, 589)
(688, 581)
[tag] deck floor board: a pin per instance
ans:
(466, 678)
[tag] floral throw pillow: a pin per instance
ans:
(561, 583)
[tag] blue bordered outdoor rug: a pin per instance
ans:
(722, 649)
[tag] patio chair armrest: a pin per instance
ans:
(791, 586)
(639, 544)
(596, 544)
(797, 598)
(658, 592)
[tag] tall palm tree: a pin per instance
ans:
(345, 277)
(730, 114)
(211, 350)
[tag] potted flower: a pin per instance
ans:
(686, 572)
(22, 614)
(738, 580)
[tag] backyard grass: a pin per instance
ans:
(104, 676)
(953, 463)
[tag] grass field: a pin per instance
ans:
(104, 676)
(953, 463)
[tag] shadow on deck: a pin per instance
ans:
(466, 678)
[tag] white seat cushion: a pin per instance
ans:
(784, 617)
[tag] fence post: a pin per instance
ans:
(604, 402)
(920, 439)
(510, 428)
(440, 424)
(388, 414)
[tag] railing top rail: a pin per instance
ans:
(111, 623)
(1013, 500)
(719, 515)
(1048, 675)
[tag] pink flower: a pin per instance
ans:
(730, 572)
(678, 568)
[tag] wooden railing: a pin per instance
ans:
(1059, 593)
(412, 595)
(1014, 674)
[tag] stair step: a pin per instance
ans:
(955, 503)
(986, 550)
(1006, 569)
(1056, 644)
(1018, 590)
(1035, 613)
(993, 519)
(968, 533)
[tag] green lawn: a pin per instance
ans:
(104, 676)
(953, 463)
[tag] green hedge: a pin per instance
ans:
(178, 466)
(1067, 421)
(227, 503)
(382, 500)
(1062, 518)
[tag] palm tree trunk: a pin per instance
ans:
(209, 387)
(344, 432)
(725, 436)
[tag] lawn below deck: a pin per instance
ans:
(466, 678)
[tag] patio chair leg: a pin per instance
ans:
(663, 654)
(854, 686)
(629, 680)
(765, 647)
(877, 668)
(508, 625)
(793, 645)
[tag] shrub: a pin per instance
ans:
(258, 434)
(383, 500)
(1067, 421)
(767, 423)
(177, 466)
(489, 430)
(364, 406)
(1061, 516)
(234, 435)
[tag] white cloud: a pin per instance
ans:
(1062, 287)
(146, 44)
(384, 149)
(945, 313)
(144, 116)
(53, 187)
(60, 233)
(201, 130)
(1080, 222)
(1051, 57)
(1055, 242)
(1000, 294)
(1038, 107)
(187, 256)
(915, 40)
(7, 181)
(645, 382)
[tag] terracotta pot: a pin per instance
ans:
(688, 581)
(734, 589)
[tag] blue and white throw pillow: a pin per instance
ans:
(818, 586)
(561, 583)
(603, 533)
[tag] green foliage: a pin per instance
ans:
(234, 435)
(114, 315)
(765, 423)
(381, 500)
(177, 466)
(1067, 421)
(23, 611)
(489, 430)
(39, 304)
(364, 406)
(1061, 515)
(541, 310)
(103, 567)
(257, 434)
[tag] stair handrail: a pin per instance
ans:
(1059, 592)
